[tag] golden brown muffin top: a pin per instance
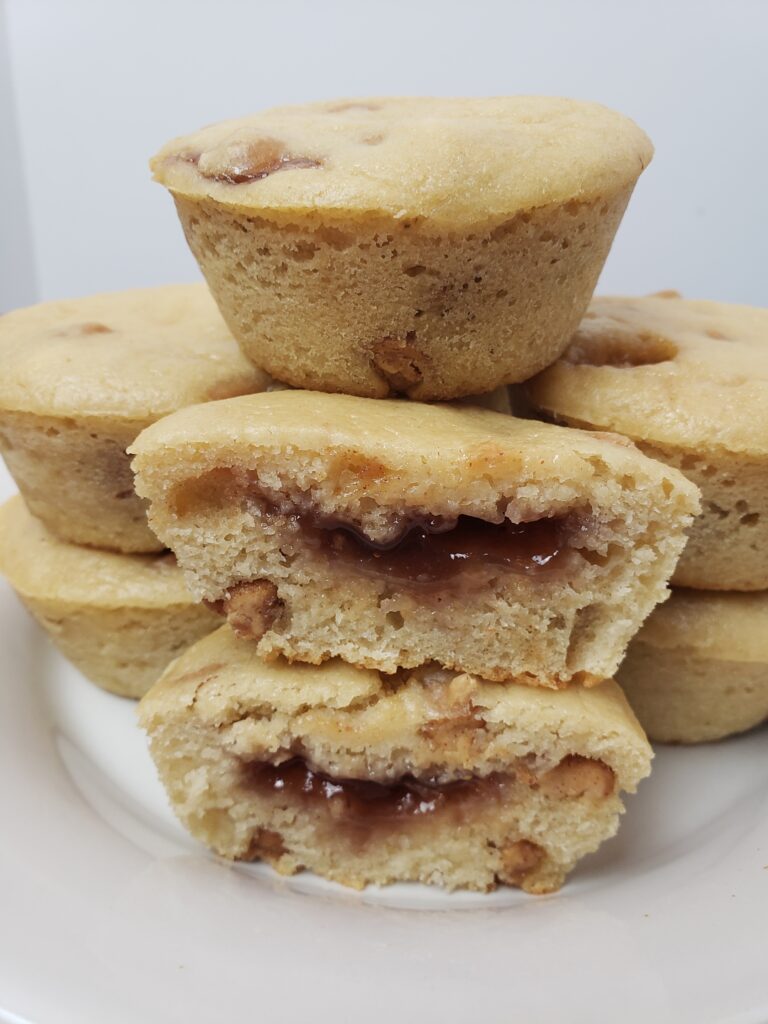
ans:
(451, 161)
(667, 371)
(401, 452)
(338, 715)
(122, 356)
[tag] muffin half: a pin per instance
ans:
(393, 533)
(427, 776)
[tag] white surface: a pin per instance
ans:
(100, 85)
(111, 914)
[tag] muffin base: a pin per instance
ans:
(727, 545)
(76, 477)
(377, 306)
(681, 697)
(123, 650)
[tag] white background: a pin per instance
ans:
(98, 85)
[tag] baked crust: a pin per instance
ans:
(82, 377)
(448, 161)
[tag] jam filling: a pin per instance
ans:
(247, 161)
(433, 550)
(362, 800)
(361, 805)
(426, 550)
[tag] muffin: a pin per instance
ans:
(396, 533)
(698, 669)
(430, 247)
(687, 381)
(119, 618)
(431, 777)
(82, 377)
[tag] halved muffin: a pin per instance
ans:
(362, 778)
(393, 534)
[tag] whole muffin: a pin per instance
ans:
(83, 377)
(433, 247)
(119, 618)
(698, 669)
(687, 381)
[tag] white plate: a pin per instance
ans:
(109, 914)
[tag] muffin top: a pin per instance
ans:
(401, 453)
(351, 721)
(128, 356)
(724, 626)
(665, 371)
(451, 161)
(40, 566)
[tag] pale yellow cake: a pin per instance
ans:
(81, 377)
(688, 382)
(119, 618)
(698, 669)
(393, 533)
(425, 776)
(433, 247)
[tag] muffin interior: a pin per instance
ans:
(308, 560)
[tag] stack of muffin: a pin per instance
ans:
(424, 603)
(687, 381)
(80, 380)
